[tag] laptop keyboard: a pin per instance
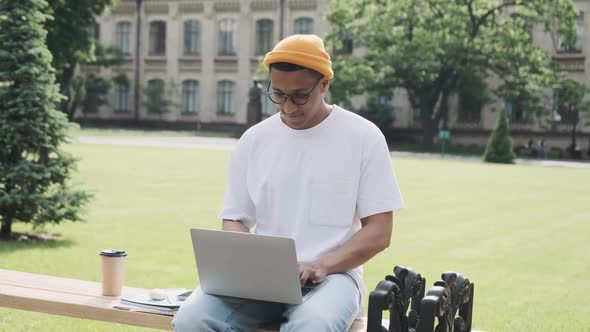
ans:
(306, 289)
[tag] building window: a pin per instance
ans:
(96, 89)
(268, 107)
(227, 28)
(469, 110)
(192, 37)
(225, 97)
(385, 102)
(264, 29)
(190, 96)
(346, 46)
(516, 112)
(157, 97)
(564, 101)
(577, 47)
(579, 31)
(303, 26)
(525, 22)
(123, 37)
(122, 98)
(94, 31)
(158, 38)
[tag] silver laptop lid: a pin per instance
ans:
(247, 265)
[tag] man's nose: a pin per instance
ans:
(289, 106)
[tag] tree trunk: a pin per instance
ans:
(136, 90)
(77, 93)
(429, 127)
(443, 110)
(8, 216)
(574, 134)
(6, 229)
(575, 119)
(65, 82)
(430, 121)
(421, 103)
(433, 105)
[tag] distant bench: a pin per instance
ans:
(83, 299)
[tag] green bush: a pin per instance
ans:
(499, 148)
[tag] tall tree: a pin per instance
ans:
(70, 41)
(34, 171)
(424, 46)
(571, 101)
(94, 94)
(84, 86)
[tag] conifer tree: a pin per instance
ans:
(499, 148)
(35, 171)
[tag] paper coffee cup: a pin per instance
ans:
(113, 271)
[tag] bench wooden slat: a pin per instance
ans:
(57, 284)
(82, 299)
(75, 305)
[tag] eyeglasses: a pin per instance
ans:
(296, 98)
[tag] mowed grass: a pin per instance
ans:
(521, 233)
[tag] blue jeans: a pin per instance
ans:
(332, 309)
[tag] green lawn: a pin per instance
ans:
(521, 233)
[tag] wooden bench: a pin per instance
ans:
(83, 299)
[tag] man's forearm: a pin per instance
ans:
(373, 238)
(234, 226)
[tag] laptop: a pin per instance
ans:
(250, 266)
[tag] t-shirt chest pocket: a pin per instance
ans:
(332, 201)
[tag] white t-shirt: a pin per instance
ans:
(313, 185)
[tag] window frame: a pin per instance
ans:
(93, 31)
(516, 113)
(226, 37)
(191, 37)
(579, 45)
(300, 29)
(190, 90)
(226, 97)
(157, 38)
(123, 37)
(264, 34)
(122, 90)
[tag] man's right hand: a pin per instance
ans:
(313, 272)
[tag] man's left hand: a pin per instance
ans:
(312, 271)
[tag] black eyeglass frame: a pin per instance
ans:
(285, 96)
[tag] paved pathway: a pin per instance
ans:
(224, 143)
(163, 141)
(538, 162)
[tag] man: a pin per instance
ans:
(313, 172)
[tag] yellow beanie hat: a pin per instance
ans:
(304, 50)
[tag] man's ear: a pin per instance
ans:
(325, 85)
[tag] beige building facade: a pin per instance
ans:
(206, 55)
